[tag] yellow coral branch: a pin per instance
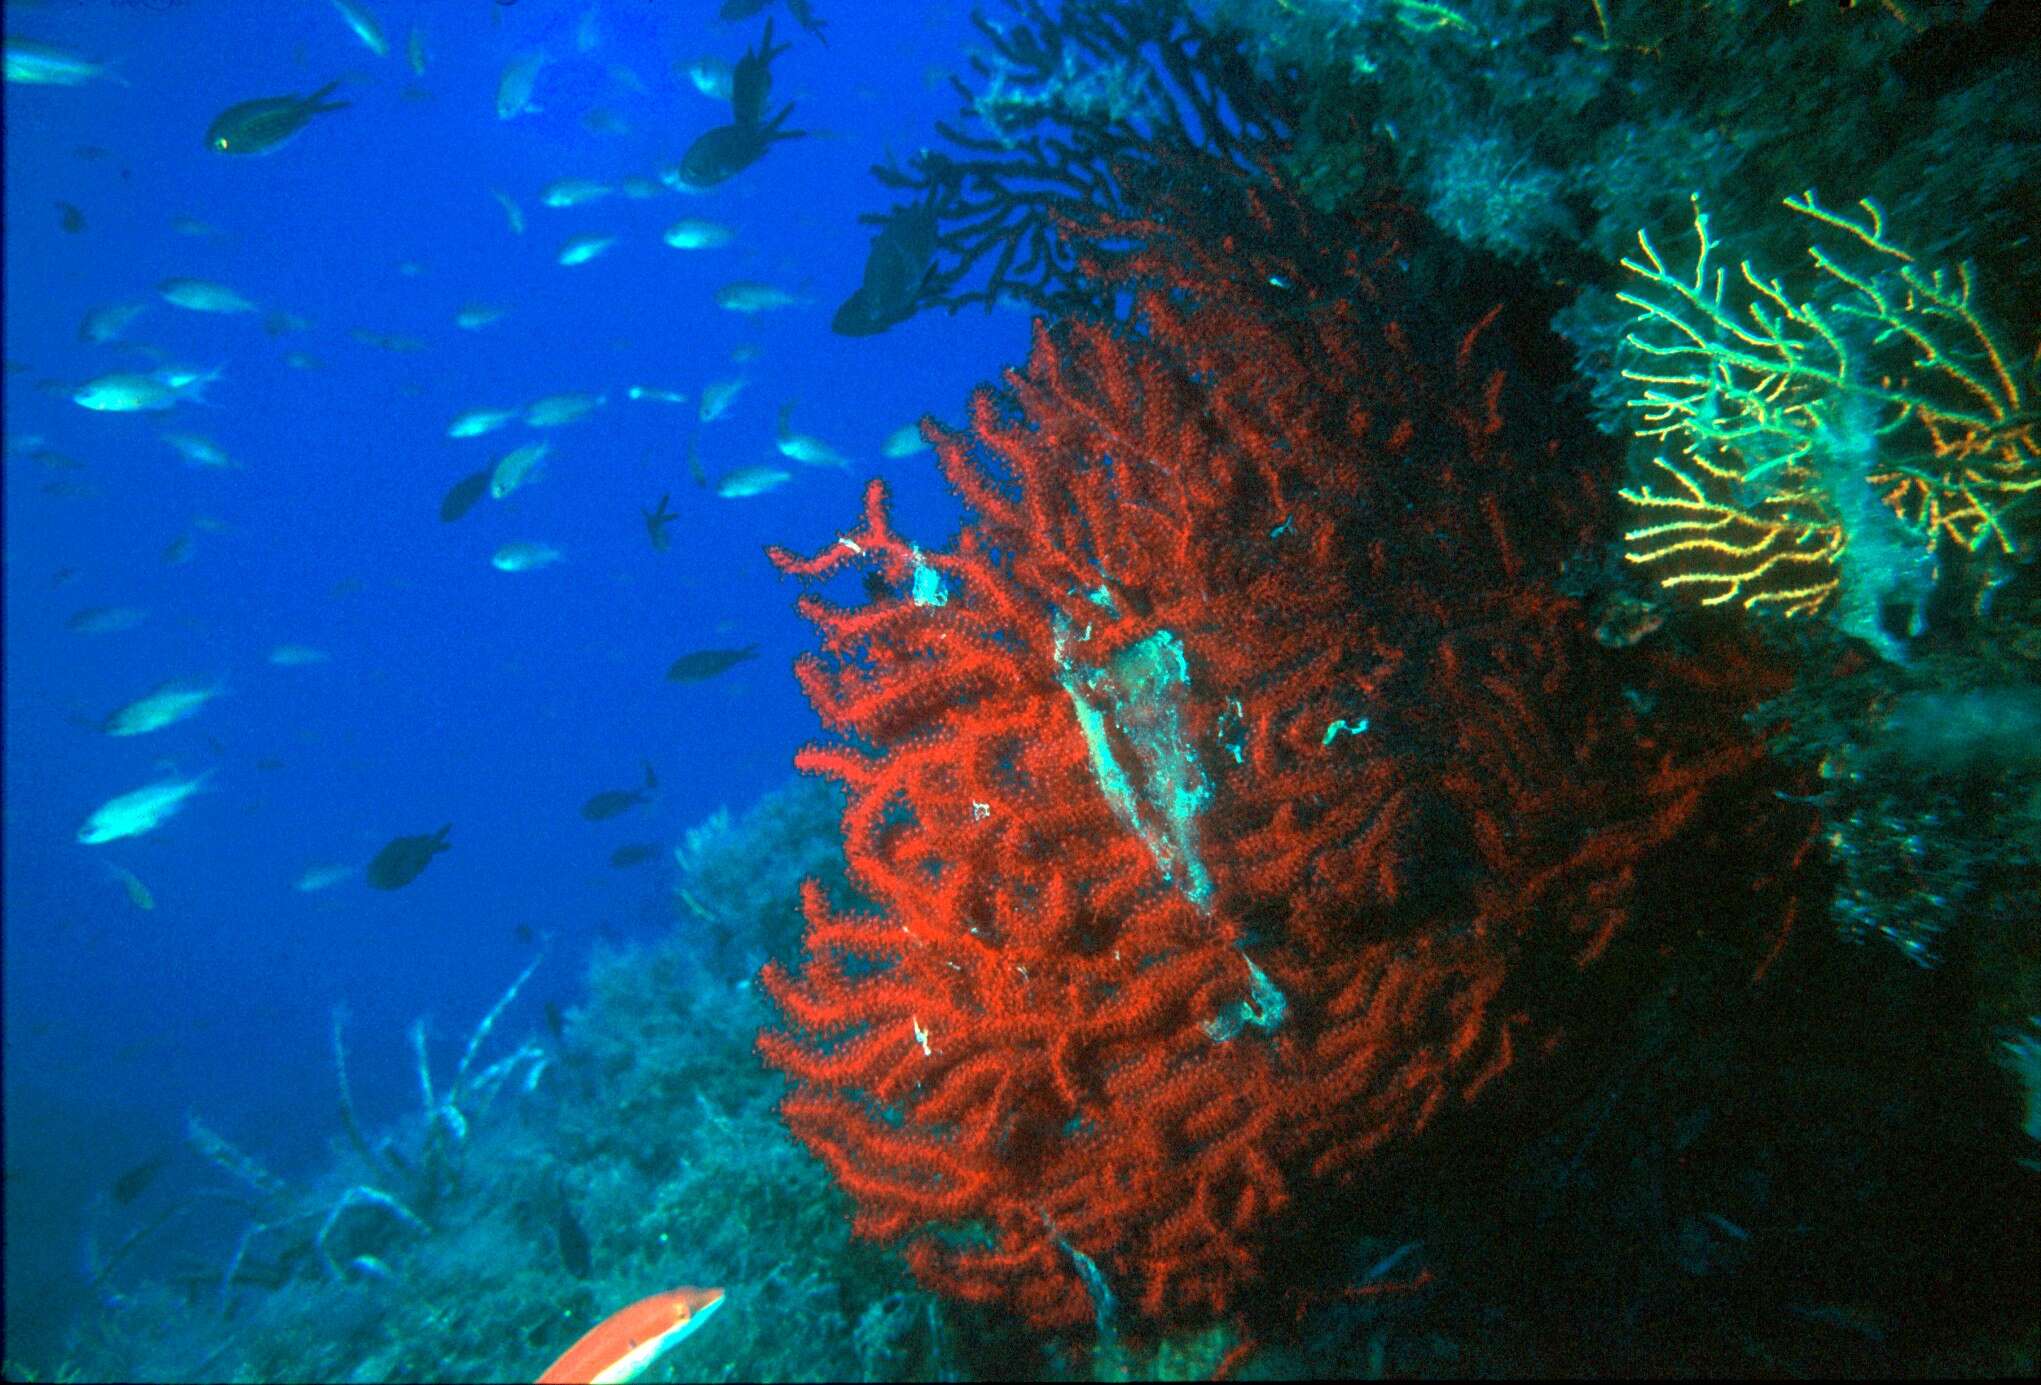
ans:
(1772, 398)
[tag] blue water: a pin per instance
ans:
(455, 693)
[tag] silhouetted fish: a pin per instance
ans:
(721, 154)
(615, 802)
(399, 863)
(463, 496)
(656, 521)
(633, 854)
(729, 149)
(707, 663)
(744, 9)
(264, 124)
(751, 79)
(105, 620)
(898, 264)
(136, 1180)
(572, 1239)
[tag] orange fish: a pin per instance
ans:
(623, 1344)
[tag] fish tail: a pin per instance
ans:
(317, 104)
(194, 391)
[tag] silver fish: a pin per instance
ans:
(141, 810)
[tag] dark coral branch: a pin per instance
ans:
(1063, 106)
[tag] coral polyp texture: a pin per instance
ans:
(1237, 795)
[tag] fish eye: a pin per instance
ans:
(220, 143)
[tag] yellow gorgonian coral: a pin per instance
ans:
(1883, 411)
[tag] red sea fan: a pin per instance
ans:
(1225, 801)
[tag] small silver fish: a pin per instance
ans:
(557, 409)
(718, 396)
(745, 296)
(41, 64)
(473, 317)
(322, 877)
(693, 233)
(138, 893)
(124, 393)
(572, 192)
(512, 213)
(518, 468)
(165, 705)
(748, 481)
(804, 448)
(711, 77)
(364, 25)
(103, 325)
(138, 811)
(520, 78)
(525, 557)
(582, 249)
(904, 441)
(203, 296)
(475, 422)
(200, 451)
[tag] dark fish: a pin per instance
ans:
(399, 863)
(751, 79)
(394, 342)
(899, 263)
(555, 1021)
(463, 496)
(694, 458)
(805, 17)
(136, 1180)
(70, 218)
(573, 1240)
(656, 521)
(256, 127)
(635, 854)
(704, 664)
(727, 150)
(618, 801)
(105, 620)
(523, 933)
